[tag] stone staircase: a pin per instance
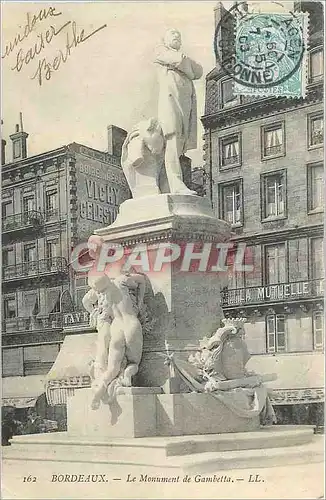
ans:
(267, 447)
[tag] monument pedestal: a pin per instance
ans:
(198, 413)
(132, 414)
(145, 411)
(185, 294)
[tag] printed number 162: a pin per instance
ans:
(29, 479)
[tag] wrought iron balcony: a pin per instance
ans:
(230, 160)
(47, 322)
(317, 137)
(35, 268)
(281, 292)
(24, 221)
(51, 214)
(273, 150)
(34, 323)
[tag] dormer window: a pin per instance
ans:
(228, 97)
(316, 65)
(17, 149)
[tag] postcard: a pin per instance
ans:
(162, 186)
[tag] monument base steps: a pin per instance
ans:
(267, 447)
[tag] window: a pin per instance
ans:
(231, 202)
(28, 204)
(275, 333)
(12, 362)
(275, 264)
(30, 304)
(228, 97)
(51, 249)
(9, 307)
(29, 252)
(316, 69)
(39, 359)
(273, 141)
(315, 130)
(318, 330)
(316, 258)
(8, 256)
(315, 187)
(273, 189)
(80, 292)
(17, 149)
(51, 203)
(230, 151)
(53, 300)
(235, 278)
(7, 209)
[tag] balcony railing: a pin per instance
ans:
(51, 321)
(281, 292)
(51, 214)
(273, 150)
(317, 137)
(230, 160)
(24, 324)
(38, 268)
(17, 222)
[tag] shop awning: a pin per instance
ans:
(22, 392)
(71, 369)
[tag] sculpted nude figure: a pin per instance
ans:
(115, 304)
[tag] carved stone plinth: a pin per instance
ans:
(145, 412)
(133, 414)
(195, 413)
(184, 302)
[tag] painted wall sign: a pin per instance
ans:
(285, 291)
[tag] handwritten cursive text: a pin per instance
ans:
(43, 39)
(45, 68)
(28, 28)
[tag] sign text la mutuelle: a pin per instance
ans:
(274, 292)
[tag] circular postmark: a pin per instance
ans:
(259, 50)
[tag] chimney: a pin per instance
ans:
(19, 141)
(3, 151)
(224, 21)
(219, 11)
(116, 137)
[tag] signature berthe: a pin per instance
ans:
(74, 37)
(45, 68)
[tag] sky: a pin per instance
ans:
(108, 79)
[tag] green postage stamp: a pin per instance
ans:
(270, 54)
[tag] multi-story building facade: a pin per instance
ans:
(264, 160)
(50, 202)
